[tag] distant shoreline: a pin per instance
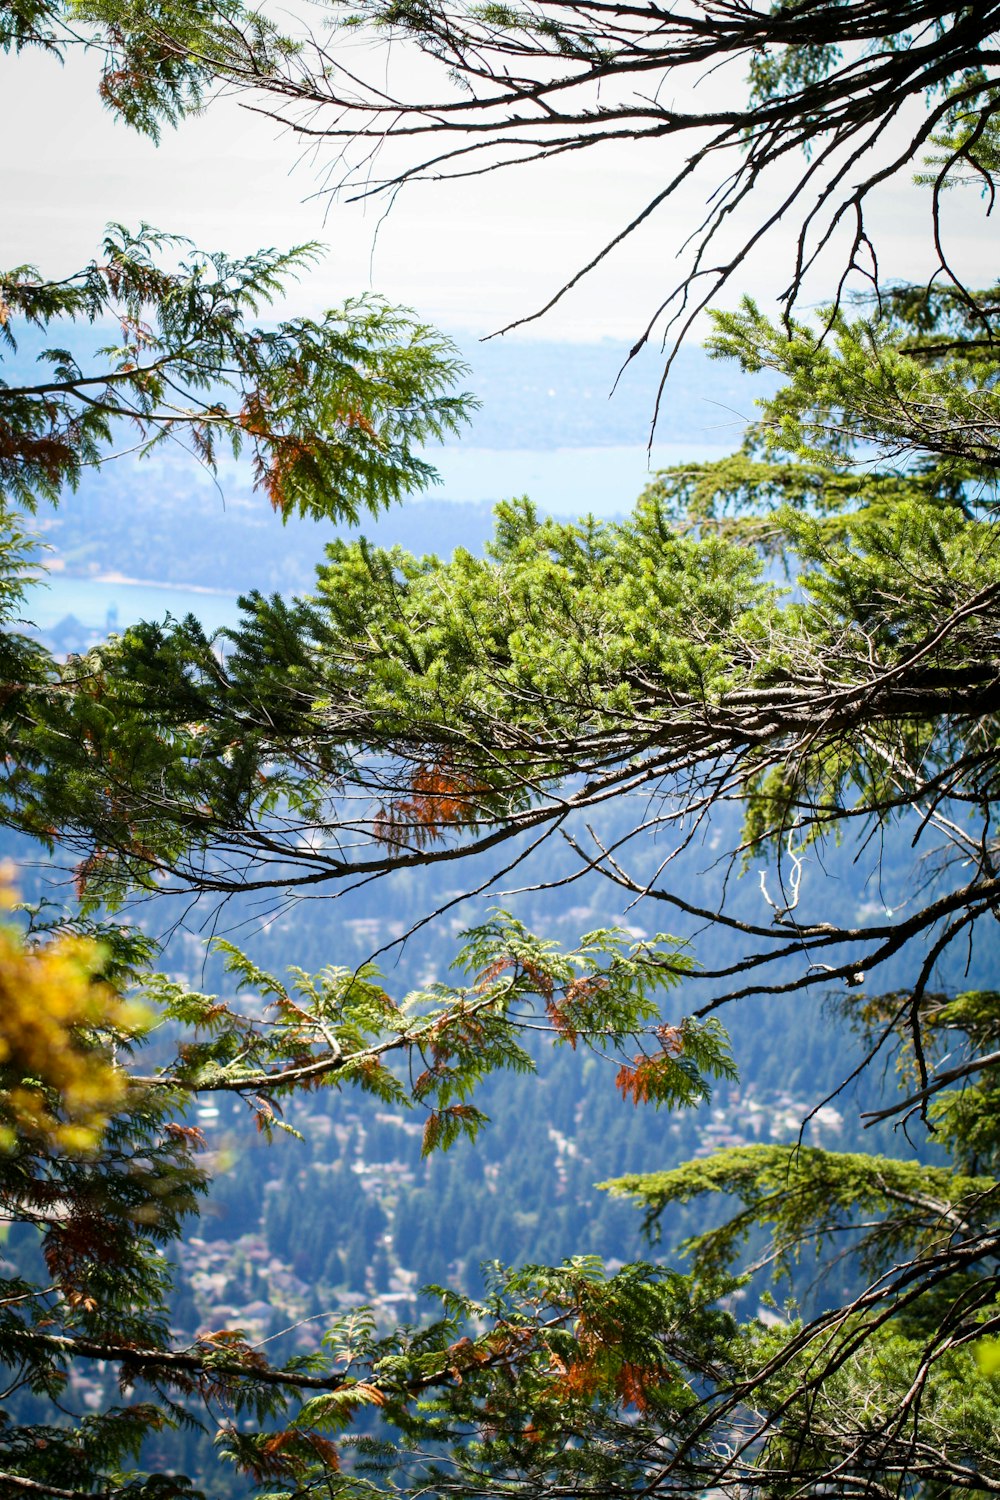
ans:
(114, 577)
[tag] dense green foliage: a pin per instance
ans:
(435, 708)
(414, 709)
(415, 712)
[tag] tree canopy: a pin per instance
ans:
(416, 710)
(805, 632)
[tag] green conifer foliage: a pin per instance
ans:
(331, 412)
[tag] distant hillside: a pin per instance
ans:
(542, 395)
(169, 520)
(547, 395)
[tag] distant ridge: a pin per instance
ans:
(557, 395)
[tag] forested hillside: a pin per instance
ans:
(351, 1214)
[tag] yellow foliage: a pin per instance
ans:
(58, 1078)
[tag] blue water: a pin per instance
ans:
(97, 603)
(563, 481)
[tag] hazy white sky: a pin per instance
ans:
(468, 256)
